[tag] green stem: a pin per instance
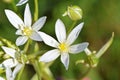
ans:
(14, 5)
(88, 52)
(27, 46)
(72, 26)
(37, 69)
(21, 72)
(36, 10)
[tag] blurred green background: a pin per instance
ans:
(101, 18)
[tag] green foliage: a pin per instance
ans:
(101, 17)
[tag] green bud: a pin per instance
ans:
(74, 12)
(8, 1)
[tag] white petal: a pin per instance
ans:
(13, 18)
(65, 59)
(10, 63)
(19, 32)
(35, 36)
(21, 40)
(2, 78)
(74, 33)
(60, 31)
(39, 23)
(9, 51)
(16, 70)
(50, 55)
(78, 48)
(48, 40)
(21, 2)
(9, 74)
(27, 16)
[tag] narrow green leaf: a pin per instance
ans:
(105, 47)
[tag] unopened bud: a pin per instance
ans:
(8, 1)
(74, 12)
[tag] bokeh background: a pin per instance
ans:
(101, 18)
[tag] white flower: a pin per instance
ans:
(1, 78)
(11, 75)
(21, 2)
(10, 63)
(25, 30)
(63, 45)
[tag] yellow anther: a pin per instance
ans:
(27, 31)
(63, 47)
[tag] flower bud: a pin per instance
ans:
(74, 12)
(8, 1)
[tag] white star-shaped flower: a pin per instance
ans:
(21, 2)
(63, 45)
(25, 30)
(10, 75)
(10, 63)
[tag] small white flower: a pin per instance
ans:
(10, 63)
(25, 30)
(63, 45)
(11, 75)
(21, 2)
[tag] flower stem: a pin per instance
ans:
(14, 5)
(37, 69)
(36, 10)
(72, 26)
(21, 72)
(26, 46)
(88, 52)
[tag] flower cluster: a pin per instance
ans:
(27, 32)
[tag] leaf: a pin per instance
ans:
(105, 47)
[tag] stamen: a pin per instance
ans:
(27, 31)
(63, 47)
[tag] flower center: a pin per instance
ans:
(27, 31)
(63, 47)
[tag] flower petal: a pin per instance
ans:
(1, 78)
(35, 36)
(14, 19)
(48, 40)
(60, 31)
(9, 51)
(21, 40)
(74, 33)
(21, 2)
(10, 63)
(78, 48)
(27, 16)
(65, 59)
(19, 32)
(50, 55)
(16, 70)
(39, 23)
(9, 73)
